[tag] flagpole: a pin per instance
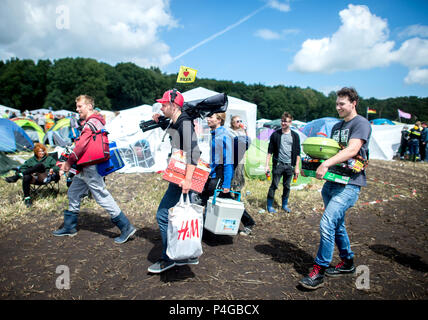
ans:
(367, 113)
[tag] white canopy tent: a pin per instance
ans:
(11, 110)
(42, 110)
(385, 141)
(64, 113)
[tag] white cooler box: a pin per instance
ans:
(223, 216)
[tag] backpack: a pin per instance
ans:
(98, 147)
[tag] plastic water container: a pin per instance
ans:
(223, 216)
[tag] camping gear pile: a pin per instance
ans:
(318, 150)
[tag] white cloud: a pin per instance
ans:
(107, 30)
(417, 76)
(361, 42)
(413, 53)
(268, 34)
(275, 4)
(415, 30)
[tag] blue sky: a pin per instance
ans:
(379, 47)
(241, 55)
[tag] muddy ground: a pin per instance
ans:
(387, 228)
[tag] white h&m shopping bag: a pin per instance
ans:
(185, 225)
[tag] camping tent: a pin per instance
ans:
(319, 127)
(43, 111)
(108, 115)
(64, 113)
(261, 122)
(6, 163)
(13, 138)
(34, 131)
(384, 141)
(58, 135)
(141, 151)
(246, 110)
(11, 110)
(381, 121)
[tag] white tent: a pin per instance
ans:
(11, 110)
(236, 107)
(385, 141)
(42, 110)
(141, 151)
(64, 113)
(108, 115)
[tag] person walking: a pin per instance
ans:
(182, 136)
(239, 131)
(89, 179)
(353, 134)
(284, 147)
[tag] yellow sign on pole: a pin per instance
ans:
(186, 75)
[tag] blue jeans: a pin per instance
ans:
(337, 199)
(414, 147)
(169, 200)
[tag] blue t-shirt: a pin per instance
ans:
(357, 128)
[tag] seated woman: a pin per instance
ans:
(40, 169)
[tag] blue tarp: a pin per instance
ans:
(319, 127)
(382, 121)
(13, 138)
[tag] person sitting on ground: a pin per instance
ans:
(40, 169)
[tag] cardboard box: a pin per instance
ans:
(176, 170)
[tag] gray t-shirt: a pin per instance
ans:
(357, 128)
(284, 155)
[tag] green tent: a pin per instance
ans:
(60, 124)
(34, 131)
(6, 163)
(255, 163)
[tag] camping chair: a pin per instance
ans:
(51, 187)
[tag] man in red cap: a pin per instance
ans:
(182, 135)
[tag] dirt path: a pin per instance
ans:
(387, 228)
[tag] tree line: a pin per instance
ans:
(28, 85)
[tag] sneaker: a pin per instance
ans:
(27, 202)
(343, 268)
(315, 279)
(246, 231)
(161, 266)
(187, 261)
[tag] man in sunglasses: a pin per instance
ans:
(284, 146)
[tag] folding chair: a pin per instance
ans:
(52, 187)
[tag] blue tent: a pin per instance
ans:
(319, 127)
(381, 121)
(13, 138)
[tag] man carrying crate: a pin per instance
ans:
(353, 133)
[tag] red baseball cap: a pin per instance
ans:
(167, 98)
